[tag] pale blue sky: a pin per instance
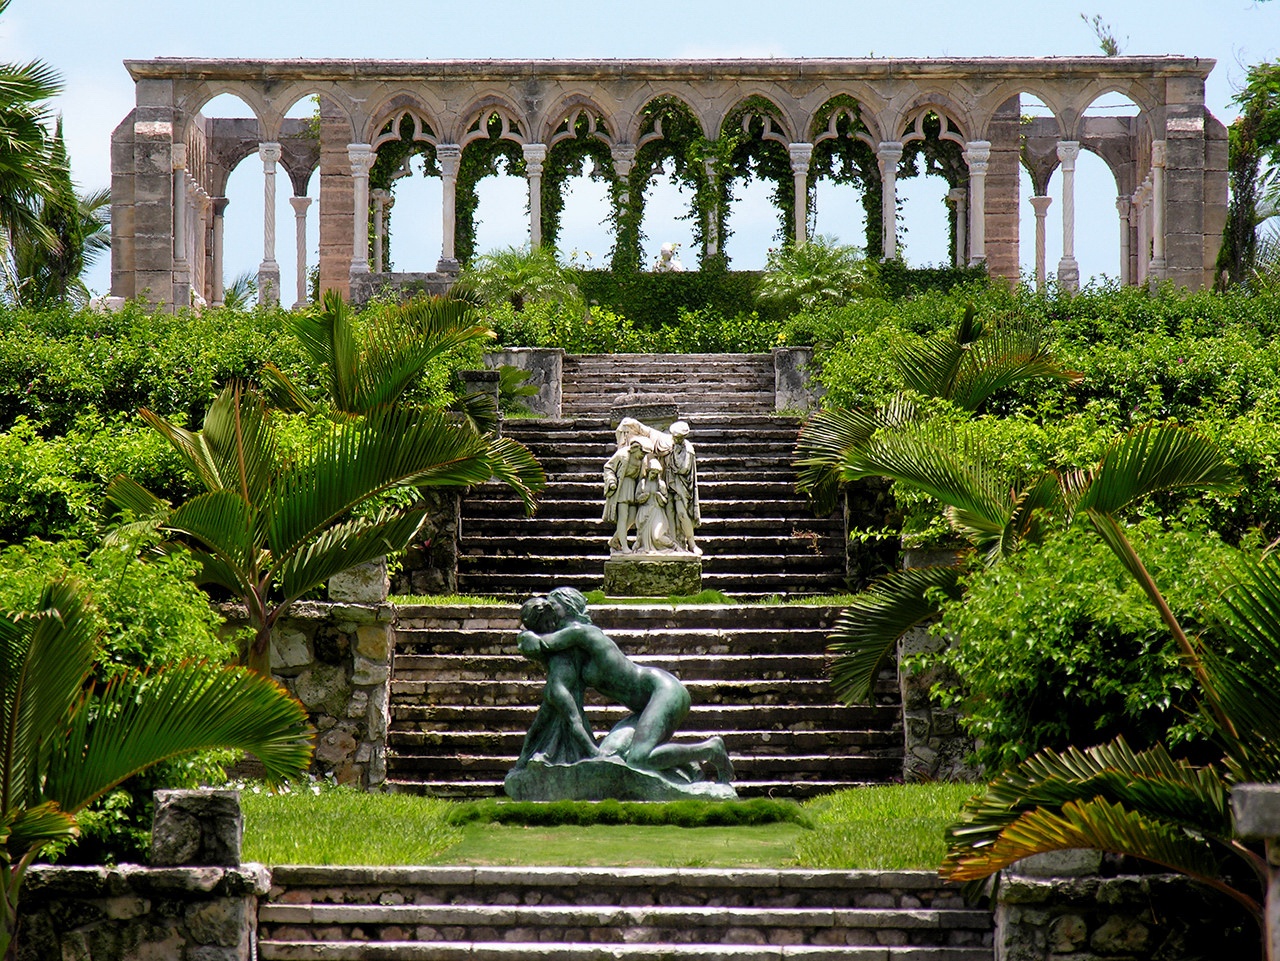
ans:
(87, 40)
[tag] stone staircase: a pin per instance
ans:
(615, 914)
(702, 384)
(758, 535)
(462, 697)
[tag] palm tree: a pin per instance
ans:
(270, 529)
(63, 744)
(818, 273)
(26, 170)
(79, 225)
(519, 276)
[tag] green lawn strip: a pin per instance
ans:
(883, 827)
(625, 845)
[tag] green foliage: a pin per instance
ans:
(685, 814)
(651, 299)
(887, 828)
(817, 274)
(1059, 646)
(519, 276)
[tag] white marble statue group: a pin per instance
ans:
(651, 487)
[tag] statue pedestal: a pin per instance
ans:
(602, 778)
(652, 575)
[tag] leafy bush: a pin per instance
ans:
(655, 299)
(1058, 645)
(816, 274)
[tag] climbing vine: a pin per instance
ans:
(934, 156)
(743, 144)
(388, 169)
(484, 157)
(844, 159)
(568, 158)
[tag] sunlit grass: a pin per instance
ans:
(890, 827)
(883, 828)
(445, 600)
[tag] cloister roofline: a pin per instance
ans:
(275, 70)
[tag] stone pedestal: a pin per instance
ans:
(652, 575)
(604, 778)
(202, 827)
(656, 410)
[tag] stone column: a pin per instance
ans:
(362, 157)
(624, 160)
(887, 156)
(269, 270)
(382, 202)
(1068, 268)
(181, 266)
(202, 203)
(219, 209)
(300, 205)
(534, 155)
(1123, 205)
(957, 196)
(712, 243)
(1041, 207)
(801, 153)
(448, 155)
(976, 154)
(1140, 204)
(1157, 269)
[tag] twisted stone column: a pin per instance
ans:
(362, 157)
(269, 270)
(1041, 207)
(382, 203)
(977, 154)
(448, 156)
(180, 263)
(1068, 268)
(300, 205)
(534, 155)
(801, 153)
(1123, 206)
(959, 197)
(887, 156)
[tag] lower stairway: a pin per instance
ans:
(462, 696)
(615, 914)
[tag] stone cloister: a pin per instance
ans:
(171, 164)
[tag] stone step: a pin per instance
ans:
(747, 767)
(529, 691)
(777, 511)
(653, 925)
(713, 545)
(742, 586)
(634, 618)
(732, 565)
(758, 743)
(703, 717)
(461, 667)
(472, 790)
(671, 644)
(362, 950)
(621, 886)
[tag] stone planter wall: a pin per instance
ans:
(546, 370)
(206, 910)
(430, 564)
(795, 390)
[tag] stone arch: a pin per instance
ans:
(777, 125)
(560, 122)
(1046, 93)
(844, 152)
(475, 121)
(637, 127)
(198, 95)
(386, 119)
(576, 132)
(291, 95)
(1150, 112)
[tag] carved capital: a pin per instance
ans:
(976, 154)
(448, 156)
(801, 154)
(534, 155)
(300, 205)
(270, 153)
(624, 158)
(1068, 151)
(362, 157)
(1158, 153)
(179, 156)
(1041, 206)
(220, 205)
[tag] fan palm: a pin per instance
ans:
(269, 529)
(519, 276)
(818, 273)
(63, 744)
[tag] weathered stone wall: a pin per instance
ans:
(206, 910)
(546, 372)
(1125, 918)
(430, 564)
(795, 386)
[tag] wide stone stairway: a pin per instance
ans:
(759, 536)
(614, 914)
(462, 696)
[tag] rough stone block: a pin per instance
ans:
(365, 584)
(653, 575)
(373, 641)
(1256, 808)
(545, 366)
(197, 828)
(289, 649)
(1079, 862)
(793, 387)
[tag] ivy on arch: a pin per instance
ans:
(751, 145)
(935, 155)
(483, 157)
(392, 165)
(843, 158)
(566, 158)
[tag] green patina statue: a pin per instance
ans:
(636, 760)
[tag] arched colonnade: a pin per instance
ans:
(170, 163)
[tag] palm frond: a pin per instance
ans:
(34, 827)
(140, 720)
(46, 657)
(867, 631)
(1001, 358)
(240, 443)
(930, 367)
(328, 337)
(282, 393)
(221, 522)
(343, 546)
(514, 464)
(828, 437)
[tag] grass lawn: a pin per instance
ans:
(885, 828)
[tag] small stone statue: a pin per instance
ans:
(668, 261)
(682, 482)
(636, 759)
(651, 485)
